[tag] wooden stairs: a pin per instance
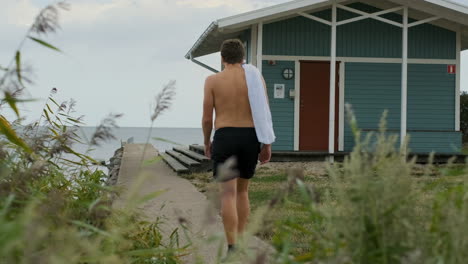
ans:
(187, 160)
(192, 159)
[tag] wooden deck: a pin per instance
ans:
(305, 156)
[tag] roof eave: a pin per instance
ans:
(273, 12)
(454, 11)
(213, 26)
(450, 5)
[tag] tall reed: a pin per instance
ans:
(377, 211)
(54, 204)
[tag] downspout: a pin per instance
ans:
(189, 55)
(203, 65)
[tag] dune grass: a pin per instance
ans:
(55, 206)
(291, 219)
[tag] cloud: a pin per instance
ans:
(118, 53)
(21, 13)
(238, 5)
(18, 13)
(133, 11)
(119, 11)
(235, 5)
(90, 12)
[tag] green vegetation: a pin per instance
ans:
(54, 204)
(380, 208)
(376, 207)
(55, 207)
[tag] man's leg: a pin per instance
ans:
(243, 204)
(229, 210)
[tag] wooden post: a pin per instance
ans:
(260, 46)
(331, 137)
(404, 79)
(458, 84)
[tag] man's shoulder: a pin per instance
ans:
(211, 81)
(213, 77)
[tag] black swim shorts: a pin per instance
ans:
(238, 142)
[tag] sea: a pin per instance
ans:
(161, 138)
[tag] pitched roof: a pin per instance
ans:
(454, 15)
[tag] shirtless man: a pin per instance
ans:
(226, 93)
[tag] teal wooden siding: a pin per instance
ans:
(422, 37)
(246, 38)
(440, 142)
(368, 37)
(296, 36)
(420, 142)
(431, 109)
(372, 88)
(372, 135)
(431, 98)
(300, 36)
(282, 110)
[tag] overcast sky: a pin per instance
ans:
(119, 53)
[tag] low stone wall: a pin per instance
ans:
(114, 167)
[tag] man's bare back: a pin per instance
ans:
(227, 94)
(230, 98)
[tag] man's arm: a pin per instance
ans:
(207, 119)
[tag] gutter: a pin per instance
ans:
(211, 28)
(204, 65)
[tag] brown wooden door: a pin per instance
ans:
(314, 106)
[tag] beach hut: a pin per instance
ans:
(318, 56)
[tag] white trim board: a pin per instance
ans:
(297, 103)
(375, 16)
(260, 46)
(341, 116)
(358, 59)
(318, 19)
(253, 44)
(404, 81)
(458, 82)
(332, 105)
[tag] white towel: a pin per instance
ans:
(259, 105)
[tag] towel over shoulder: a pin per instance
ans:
(259, 105)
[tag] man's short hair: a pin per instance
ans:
(233, 51)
